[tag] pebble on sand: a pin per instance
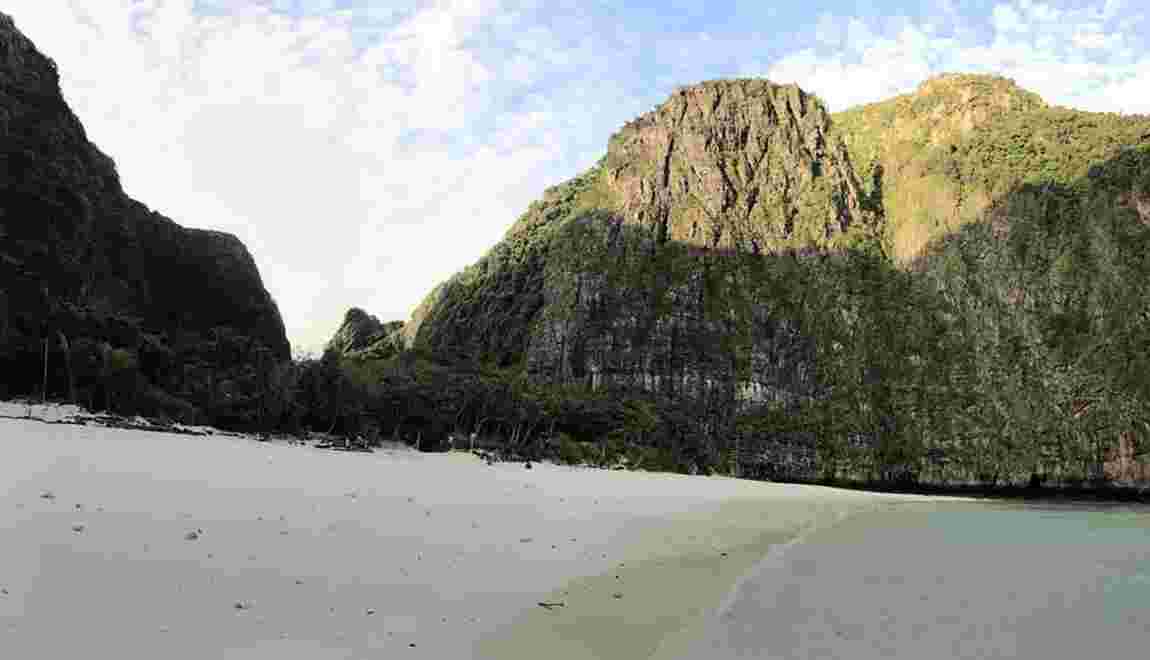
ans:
(192, 535)
(47, 495)
(370, 611)
(242, 605)
(78, 527)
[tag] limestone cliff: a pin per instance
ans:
(742, 164)
(85, 266)
(628, 274)
(739, 245)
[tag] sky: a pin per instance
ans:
(364, 150)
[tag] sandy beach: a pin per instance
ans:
(139, 544)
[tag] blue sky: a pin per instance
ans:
(366, 150)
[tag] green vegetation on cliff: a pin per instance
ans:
(946, 286)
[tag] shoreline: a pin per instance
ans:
(1113, 493)
(669, 600)
(1102, 494)
(976, 579)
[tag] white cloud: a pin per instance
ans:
(357, 175)
(1081, 57)
(365, 153)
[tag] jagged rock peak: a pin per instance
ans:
(738, 164)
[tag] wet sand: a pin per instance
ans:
(953, 580)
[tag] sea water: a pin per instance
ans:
(949, 580)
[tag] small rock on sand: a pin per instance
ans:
(192, 535)
(369, 611)
(242, 605)
(78, 527)
(616, 595)
(47, 495)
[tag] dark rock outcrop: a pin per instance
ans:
(361, 332)
(83, 265)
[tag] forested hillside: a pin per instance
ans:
(949, 286)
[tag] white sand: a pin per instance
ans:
(306, 553)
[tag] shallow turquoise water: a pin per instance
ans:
(950, 580)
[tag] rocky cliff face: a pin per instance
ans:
(738, 245)
(631, 274)
(81, 263)
(742, 164)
